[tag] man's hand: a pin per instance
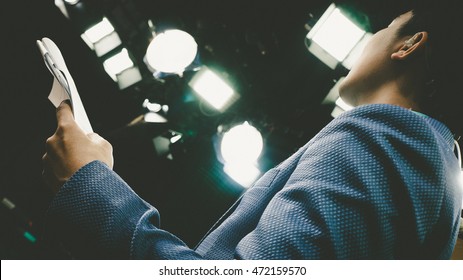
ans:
(70, 148)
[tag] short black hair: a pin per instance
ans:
(443, 20)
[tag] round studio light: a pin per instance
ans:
(72, 2)
(171, 51)
(242, 144)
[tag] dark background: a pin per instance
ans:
(259, 45)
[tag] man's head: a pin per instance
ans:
(416, 62)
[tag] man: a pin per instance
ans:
(379, 182)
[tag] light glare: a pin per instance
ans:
(338, 35)
(152, 117)
(175, 138)
(153, 107)
(62, 7)
(212, 89)
(335, 39)
(242, 144)
(171, 51)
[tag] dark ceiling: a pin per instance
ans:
(257, 45)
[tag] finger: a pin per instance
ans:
(64, 113)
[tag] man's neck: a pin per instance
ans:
(389, 94)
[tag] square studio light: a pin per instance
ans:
(128, 77)
(213, 89)
(334, 37)
(99, 30)
(122, 70)
(118, 63)
(101, 37)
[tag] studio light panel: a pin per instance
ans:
(118, 63)
(101, 37)
(213, 89)
(336, 39)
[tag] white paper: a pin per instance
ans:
(58, 94)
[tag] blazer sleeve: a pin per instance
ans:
(371, 185)
(97, 215)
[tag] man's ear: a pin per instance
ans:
(410, 46)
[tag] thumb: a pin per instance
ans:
(64, 113)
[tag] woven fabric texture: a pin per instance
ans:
(378, 182)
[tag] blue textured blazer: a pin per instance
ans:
(378, 182)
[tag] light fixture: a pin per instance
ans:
(99, 30)
(101, 37)
(152, 107)
(175, 138)
(242, 143)
(163, 143)
(240, 148)
(155, 112)
(151, 117)
(213, 89)
(122, 70)
(171, 51)
(72, 2)
(118, 63)
(62, 7)
(334, 37)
